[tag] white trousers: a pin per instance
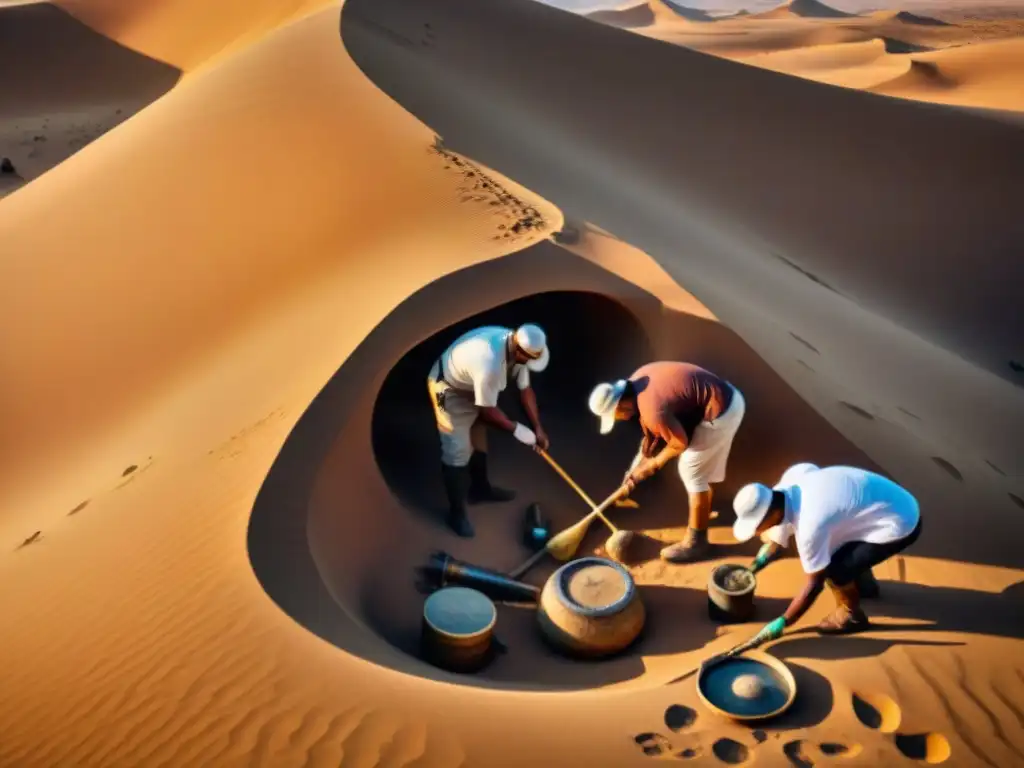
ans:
(705, 458)
(458, 423)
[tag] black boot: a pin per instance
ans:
(480, 489)
(456, 484)
(867, 586)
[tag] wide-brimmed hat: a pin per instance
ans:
(750, 504)
(604, 399)
(532, 340)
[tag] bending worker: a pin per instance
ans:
(696, 414)
(845, 522)
(464, 384)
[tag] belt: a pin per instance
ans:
(440, 376)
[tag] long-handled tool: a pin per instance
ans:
(619, 541)
(718, 658)
(563, 545)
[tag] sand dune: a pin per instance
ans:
(634, 16)
(169, 31)
(215, 476)
(805, 9)
(852, 65)
(982, 75)
(64, 86)
(906, 17)
(690, 14)
(805, 41)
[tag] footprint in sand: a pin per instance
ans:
(931, 748)
(879, 712)
(30, 540)
(79, 508)
(731, 752)
(679, 718)
(804, 754)
(653, 744)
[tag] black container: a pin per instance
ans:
(442, 569)
(536, 529)
(730, 606)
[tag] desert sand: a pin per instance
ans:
(957, 56)
(219, 305)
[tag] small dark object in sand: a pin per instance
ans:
(6, 166)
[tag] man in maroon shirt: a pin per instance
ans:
(696, 415)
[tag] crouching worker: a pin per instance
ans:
(696, 414)
(464, 384)
(845, 521)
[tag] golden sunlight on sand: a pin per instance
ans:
(235, 235)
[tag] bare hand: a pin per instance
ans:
(542, 439)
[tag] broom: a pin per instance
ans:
(619, 540)
(563, 545)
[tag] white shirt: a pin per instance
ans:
(477, 361)
(832, 506)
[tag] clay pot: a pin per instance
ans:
(458, 629)
(590, 608)
(733, 603)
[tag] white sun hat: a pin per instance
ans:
(534, 342)
(604, 399)
(750, 504)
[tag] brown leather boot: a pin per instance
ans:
(694, 546)
(848, 617)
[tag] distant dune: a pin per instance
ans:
(912, 18)
(690, 14)
(805, 9)
(634, 16)
(988, 74)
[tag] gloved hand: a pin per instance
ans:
(763, 555)
(771, 631)
(524, 435)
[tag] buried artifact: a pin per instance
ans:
(591, 608)
(731, 593)
(457, 632)
(754, 687)
(442, 569)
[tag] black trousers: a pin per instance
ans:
(856, 557)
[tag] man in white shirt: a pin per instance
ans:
(845, 521)
(464, 384)
(778, 537)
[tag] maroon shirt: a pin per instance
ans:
(673, 398)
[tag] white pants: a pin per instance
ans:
(705, 458)
(458, 423)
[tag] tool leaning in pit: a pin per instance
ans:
(564, 545)
(622, 502)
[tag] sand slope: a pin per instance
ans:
(817, 42)
(195, 507)
(64, 85)
(983, 75)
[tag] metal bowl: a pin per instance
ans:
(714, 687)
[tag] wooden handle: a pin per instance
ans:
(565, 476)
(596, 511)
(534, 559)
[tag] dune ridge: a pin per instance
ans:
(64, 86)
(809, 9)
